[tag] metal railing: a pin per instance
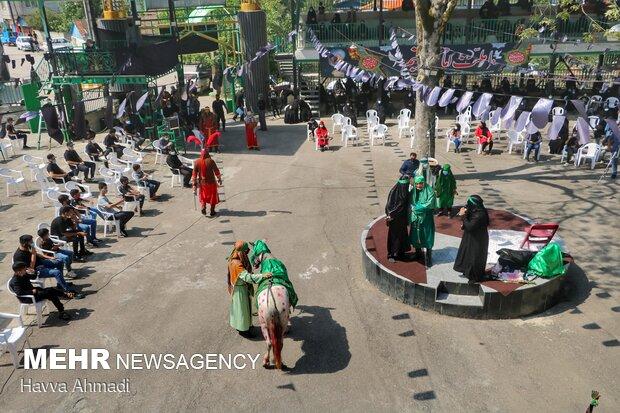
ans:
(458, 31)
(10, 93)
(84, 63)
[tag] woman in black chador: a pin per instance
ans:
(397, 211)
(471, 259)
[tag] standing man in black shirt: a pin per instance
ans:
(262, 107)
(218, 108)
(76, 163)
(274, 102)
(20, 284)
(56, 173)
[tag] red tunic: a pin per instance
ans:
(208, 124)
(250, 135)
(205, 177)
(321, 135)
(213, 141)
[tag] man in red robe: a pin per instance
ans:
(206, 176)
(208, 123)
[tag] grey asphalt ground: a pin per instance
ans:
(350, 347)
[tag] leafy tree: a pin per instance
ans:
(431, 19)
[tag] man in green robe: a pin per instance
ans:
(422, 228)
(261, 258)
(240, 280)
(445, 189)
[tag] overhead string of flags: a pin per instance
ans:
(530, 121)
(245, 67)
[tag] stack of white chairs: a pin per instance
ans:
(379, 132)
(350, 134)
(12, 178)
(34, 164)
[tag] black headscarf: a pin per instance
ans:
(398, 198)
(474, 205)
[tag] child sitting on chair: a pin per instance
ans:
(322, 136)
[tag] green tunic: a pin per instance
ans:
(240, 303)
(422, 229)
(279, 277)
(445, 186)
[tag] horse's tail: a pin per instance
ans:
(275, 331)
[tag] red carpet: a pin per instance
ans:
(376, 243)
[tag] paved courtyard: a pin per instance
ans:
(350, 348)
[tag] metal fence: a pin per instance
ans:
(94, 99)
(10, 93)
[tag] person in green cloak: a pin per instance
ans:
(422, 228)
(445, 189)
(275, 296)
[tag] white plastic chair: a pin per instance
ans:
(449, 140)
(558, 111)
(371, 113)
(84, 189)
(350, 134)
(34, 164)
(378, 132)
(590, 151)
(403, 124)
(44, 183)
(5, 145)
(593, 121)
(371, 122)
(611, 102)
(52, 196)
(176, 174)
(594, 104)
(159, 152)
(109, 221)
(39, 306)
(12, 178)
(406, 113)
(466, 135)
(345, 122)
(12, 338)
(515, 139)
(412, 135)
(495, 128)
(337, 121)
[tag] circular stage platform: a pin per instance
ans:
(443, 290)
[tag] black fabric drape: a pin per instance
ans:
(79, 120)
(51, 122)
(151, 59)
